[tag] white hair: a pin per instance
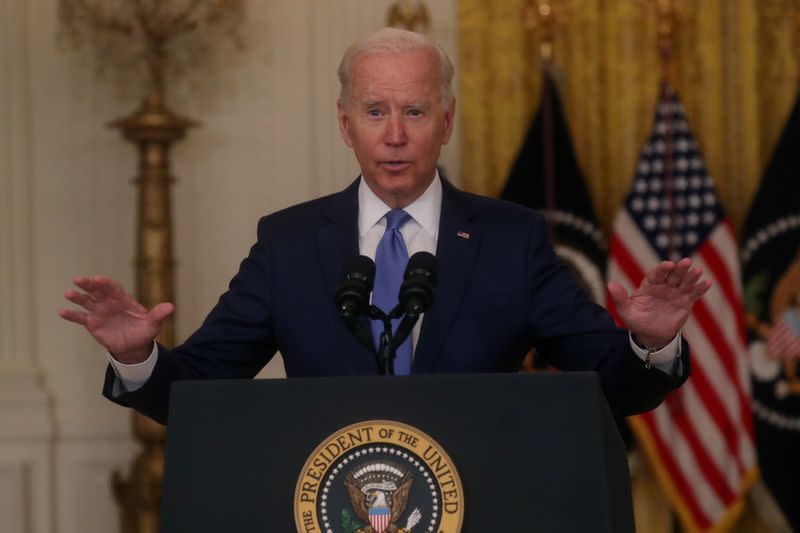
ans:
(395, 40)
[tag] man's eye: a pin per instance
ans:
(415, 112)
(374, 112)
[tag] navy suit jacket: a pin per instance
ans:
(501, 291)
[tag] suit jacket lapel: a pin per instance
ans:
(456, 252)
(337, 241)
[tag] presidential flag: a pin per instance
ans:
(771, 278)
(546, 177)
(700, 440)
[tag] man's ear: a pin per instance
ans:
(344, 123)
(449, 118)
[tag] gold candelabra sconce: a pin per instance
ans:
(150, 40)
(155, 40)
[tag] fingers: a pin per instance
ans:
(89, 285)
(700, 289)
(679, 275)
(618, 294)
(109, 287)
(690, 279)
(161, 311)
(659, 274)
(100, 286)
(80, 298)
(78, 317)
(682, 267)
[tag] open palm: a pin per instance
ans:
(656, 310)
(114, 318)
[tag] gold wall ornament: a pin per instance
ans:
(147, 41)
(161, 38)
(409, 15)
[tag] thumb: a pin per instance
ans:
(161, 311)
(618, 294)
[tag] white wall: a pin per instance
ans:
(269, 139)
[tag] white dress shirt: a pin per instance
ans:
(420, 233)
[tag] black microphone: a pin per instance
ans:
(419, 280)
(352, 295)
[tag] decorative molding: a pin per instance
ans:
(23, 401)
(26, 424)
(83, 483)
(25, 485)
(16, 332)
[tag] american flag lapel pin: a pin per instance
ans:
(463, 234)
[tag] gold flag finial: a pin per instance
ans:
(538, 15)
(797, 30)
(666, 33)
(409, 15)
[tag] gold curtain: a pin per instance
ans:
(735, 70)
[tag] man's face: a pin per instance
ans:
(395, 122)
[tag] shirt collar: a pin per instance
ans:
(425, 210)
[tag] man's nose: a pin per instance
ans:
(395, 131)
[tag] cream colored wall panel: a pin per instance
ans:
(83, 211)
(25, 484)
(14, 495)
(83, 483)
(251, 157)
(17, 339)
(16, 328)
(25, 421)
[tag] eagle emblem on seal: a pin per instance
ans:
(379, 494)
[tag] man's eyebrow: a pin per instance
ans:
(369, 102)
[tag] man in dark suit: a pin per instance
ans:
(501, 288)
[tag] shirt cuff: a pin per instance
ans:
(132, 377)
(665, 359)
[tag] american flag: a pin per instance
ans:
(700, 441)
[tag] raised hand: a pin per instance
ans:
(658, 308)
(115, 319)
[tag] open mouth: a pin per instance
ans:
(395, 166)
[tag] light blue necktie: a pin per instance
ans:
(391, 259)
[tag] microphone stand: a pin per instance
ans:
(387, 350)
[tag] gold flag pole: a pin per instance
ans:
(538, 15)
(667, 19)
(666, 27)
(538, 18)
(796, 12)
